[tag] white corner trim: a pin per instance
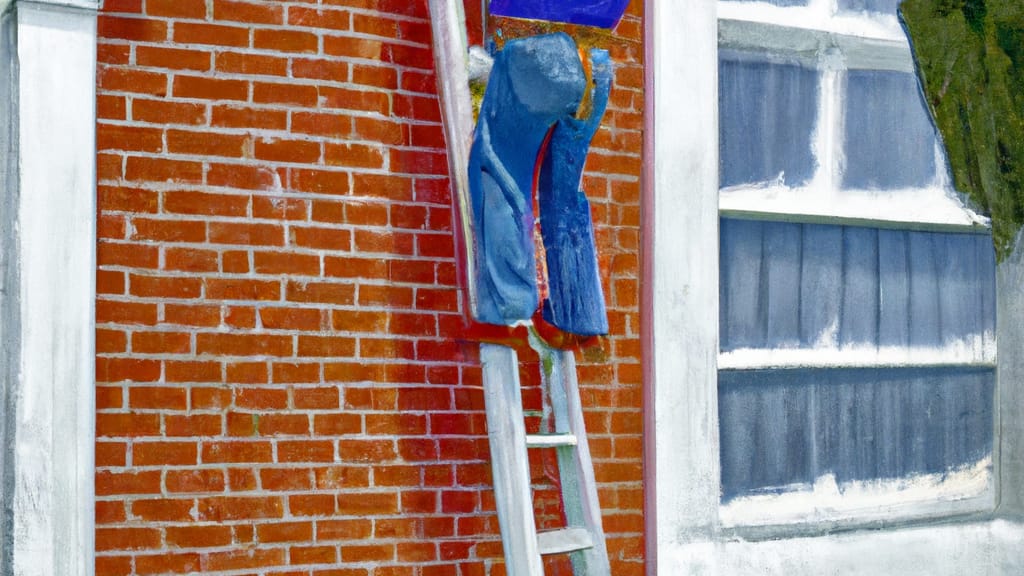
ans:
(90, 5)
(53, 394)
(685, 276)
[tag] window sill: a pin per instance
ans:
(827, 507)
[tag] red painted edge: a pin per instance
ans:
(647, 298)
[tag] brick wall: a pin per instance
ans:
(282, 383)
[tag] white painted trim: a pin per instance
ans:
(821, 15)
(54, 393)
(685, 275)
(975, 549)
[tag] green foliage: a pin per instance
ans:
(970, 56)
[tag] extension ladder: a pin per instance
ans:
(583, 537)
(523, 545)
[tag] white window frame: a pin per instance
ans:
(680, 320)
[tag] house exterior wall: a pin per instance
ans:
(284, 383)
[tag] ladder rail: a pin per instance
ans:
(510, 468)
(576, 469)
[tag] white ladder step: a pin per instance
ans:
(550, 440)
(564, 541)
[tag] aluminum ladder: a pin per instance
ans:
(583, 538)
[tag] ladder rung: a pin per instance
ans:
(550, 440)
(564, 541)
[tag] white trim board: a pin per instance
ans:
(50, 390)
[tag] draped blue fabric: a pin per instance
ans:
(602, 13)
(535, 88)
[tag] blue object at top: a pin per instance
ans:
(601, 13)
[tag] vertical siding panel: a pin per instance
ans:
(782, 254)
(859, 324)
(958, 298)
(925, 328)
(820, 284)
(742, 324)
(894, 288)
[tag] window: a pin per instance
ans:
(689, 529)
(857, 294)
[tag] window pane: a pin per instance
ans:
(884, 6)
(768, 112)
(785, 427)
(792, 285)
(889, 137)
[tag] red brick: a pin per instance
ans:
(282, 150)
(285, 532)
(285, 40)
(285, 479)
(327, 124)
(247, 13)
(210, 88)
(172, 58)
(192, 371)
(320, 292)
(235, 116)
(319, 181)
(165, 287)
(122, 369)
(127, 538)
(293, 373)
(195, 9)
(164, 112)
(244, 559)
(287, 263)
(136, 29)
(193, 425)
(313, 555)
(246, 234)
(284, 425)
(361, 100)
(285, 93)
(375, 76)
(243, 345)
(320, 69)
(207, 316)
(113, 454)
(247, 372)
(198, 536)
(355, 529)
(129, 138)
(256, 64)
(157, 398)
(169, 230)
(110, 282)
(368, 553)
(363, 503)
(354, 155)
(163, 170)
(116, 79)
(125, 313)
(316, 398)
(312, 505)
(326, 346)
(236, 452)
(337, 424)
(206, 144)
(211, 34)
(162, 510)
(111, 483)
(279, 208)
(305, 451)
(190, 260)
